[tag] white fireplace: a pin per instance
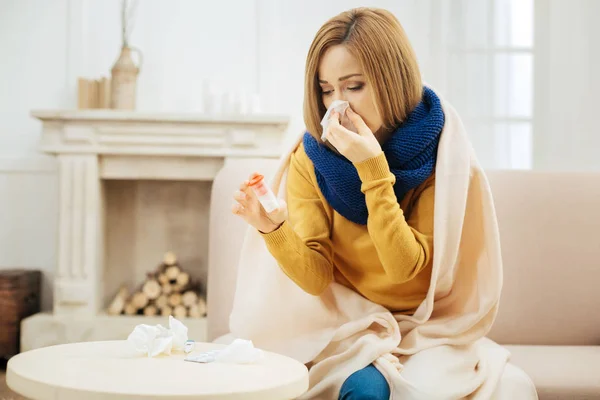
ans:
(132, 186)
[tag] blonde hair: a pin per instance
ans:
(376, 38)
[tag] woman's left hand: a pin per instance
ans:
(356, 147)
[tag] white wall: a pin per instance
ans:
(567, 80)
(32, 75)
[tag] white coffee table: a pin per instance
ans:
(110, 370)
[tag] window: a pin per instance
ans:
(490, 77)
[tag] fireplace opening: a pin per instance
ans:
(146, 222)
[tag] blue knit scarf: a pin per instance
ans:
(411, 153)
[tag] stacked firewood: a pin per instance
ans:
(166, 291)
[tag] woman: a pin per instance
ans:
(363, 217)
(361, 203)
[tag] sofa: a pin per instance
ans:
(549, 316)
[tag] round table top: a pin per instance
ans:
(111, 370)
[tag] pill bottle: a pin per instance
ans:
(264, 193)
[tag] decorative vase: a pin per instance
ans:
(124, 79)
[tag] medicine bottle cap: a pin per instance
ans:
(256, 179)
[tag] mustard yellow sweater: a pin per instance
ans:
(388, 261)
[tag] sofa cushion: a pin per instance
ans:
(560, 372)
(549, 224)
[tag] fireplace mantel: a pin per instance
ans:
(92, 146)
(138, 145)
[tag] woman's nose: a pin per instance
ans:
(337, 95)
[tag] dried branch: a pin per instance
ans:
(128, 10)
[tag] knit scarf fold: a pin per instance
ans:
(411, 153)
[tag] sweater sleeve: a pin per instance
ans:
(404, 245)
(302, 245)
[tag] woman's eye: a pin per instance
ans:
(356, 88)
(327, 92)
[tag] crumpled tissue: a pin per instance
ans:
(240, 351)
(155, 340)
(340, 106)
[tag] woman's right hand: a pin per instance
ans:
(249, 208)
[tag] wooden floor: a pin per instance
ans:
(5, 392)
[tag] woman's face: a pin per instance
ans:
(341, 78)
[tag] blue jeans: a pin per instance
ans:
(365, 384)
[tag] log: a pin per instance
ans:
(175, 299)
(130, 309)
(162, 278)
(194, 312)
(198, 310)
(180, 312)
(177, 288)
(161, 301)
(167, 289)
(169, 258)
(189, 298)
(172, 272)
(150, 311)
(117, 306)
(139, 300)
(152, 289)
(183, 279)
(166, 311)
(202, 305)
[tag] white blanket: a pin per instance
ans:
(441, 351)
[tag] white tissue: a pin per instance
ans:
(155, 340)
(239, 352)
(340, 106)
(180, 333)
